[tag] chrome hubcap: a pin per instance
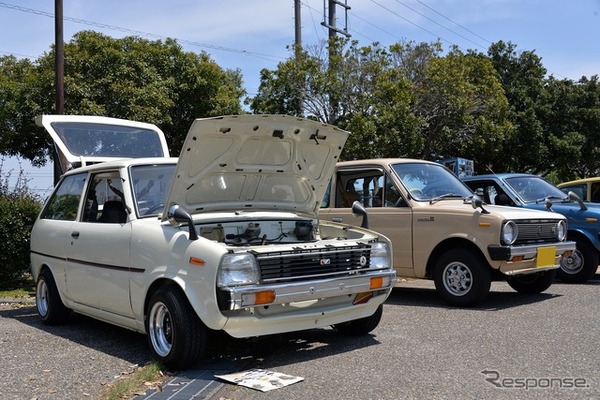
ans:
(41, 297)
(572, 264)
(457, 278)
(160, 329)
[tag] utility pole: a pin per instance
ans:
(59, 73)
(298, 48)
(329, 15)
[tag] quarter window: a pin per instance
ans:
(64, 202)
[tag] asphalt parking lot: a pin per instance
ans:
(514, 346)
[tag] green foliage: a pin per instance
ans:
(18, 211)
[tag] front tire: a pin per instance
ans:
(176, 335)
(49, 305)
(462, 277)
(532, 283)
(362, 326)
(581, 265)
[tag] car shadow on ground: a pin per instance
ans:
(223, 351)
(424, 296)
(282, 349)
(85, 331)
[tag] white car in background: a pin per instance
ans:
(225, 238)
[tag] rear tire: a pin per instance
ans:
(532, 283)
(362, 326)
(581, 265)
(176, 335)
(49, 305)
(462, 277)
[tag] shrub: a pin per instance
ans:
(18, 211)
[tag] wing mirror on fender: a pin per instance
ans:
(358, 209)
(179, 216)
(476, 202)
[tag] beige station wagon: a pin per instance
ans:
(441, 231)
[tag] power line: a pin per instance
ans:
(264, 56)
(411, 22)
(454, 22)
(438, 24)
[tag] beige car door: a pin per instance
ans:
(388, 212)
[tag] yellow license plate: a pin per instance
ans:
(546, 256)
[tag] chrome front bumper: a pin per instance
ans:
(241, 297)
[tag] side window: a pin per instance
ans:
(64, 202)
(595, 192)
(104, 199)
(371, 187)
(580, 190)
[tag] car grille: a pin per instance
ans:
(306, 264)
(536, 231)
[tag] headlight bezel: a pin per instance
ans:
(509, 233)
(381, 256)
(238, 269)
(561, 230)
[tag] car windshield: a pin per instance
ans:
(534, 188)
(431, 182)
(150, 187)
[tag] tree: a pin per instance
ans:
(464, 107)
(571, 120)
(402, 101)
(522, 76)
(131, 78)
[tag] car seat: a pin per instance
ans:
(113, 212)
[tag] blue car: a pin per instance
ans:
(532, 191)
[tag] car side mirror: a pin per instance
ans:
(476, 203)
(178, 216)
(358, 209)
(573, 196)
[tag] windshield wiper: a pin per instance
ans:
(551, 198)
(445, 196)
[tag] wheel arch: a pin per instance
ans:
(445, 245)
(156, 286)
(578, 234)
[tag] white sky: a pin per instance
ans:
(251, 35)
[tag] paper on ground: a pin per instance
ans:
(260, 379)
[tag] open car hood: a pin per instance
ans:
(85, 139)
(256, 162)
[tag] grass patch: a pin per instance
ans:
(148, 377)
(25, 293)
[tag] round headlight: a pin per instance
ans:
(510, 232)
(561, 231)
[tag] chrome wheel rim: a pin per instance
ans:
(457, 278)
(41, 297)
(160, 329)
(573, 263)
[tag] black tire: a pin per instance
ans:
(532, 283)
(581, 265)
(176, 335)
(49, 305)
(362, 326)
(462, 277)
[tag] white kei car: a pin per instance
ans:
(226, 237)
